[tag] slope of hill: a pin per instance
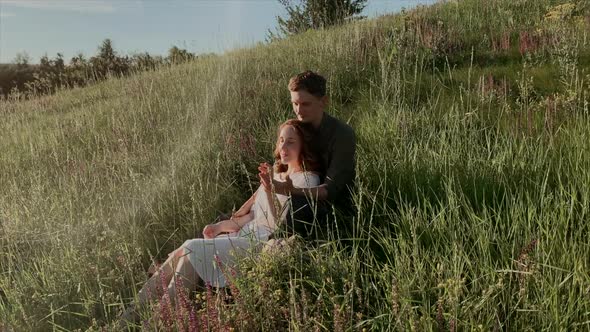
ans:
(473, 163)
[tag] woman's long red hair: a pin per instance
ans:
(308, 160)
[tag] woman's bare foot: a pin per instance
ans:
(153, 268)
(128, 318)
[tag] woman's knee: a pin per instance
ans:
(178, 252)
(175, 256)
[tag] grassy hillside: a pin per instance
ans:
(473, 173)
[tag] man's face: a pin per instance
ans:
(308, 107)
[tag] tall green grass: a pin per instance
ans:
(473, 169)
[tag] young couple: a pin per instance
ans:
(314, 170)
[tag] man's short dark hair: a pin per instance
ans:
(309, 81)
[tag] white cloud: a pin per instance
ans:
(7, 14)
(82, 6)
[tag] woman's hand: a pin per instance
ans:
(265, 175)
(210, 231)
(225, 226)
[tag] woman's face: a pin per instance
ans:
(289, 146)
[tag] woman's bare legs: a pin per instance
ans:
(190, 279)
(177, 263)
(152, 289)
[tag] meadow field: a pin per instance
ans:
(473, 174)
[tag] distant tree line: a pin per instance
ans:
(51, 74)
(24, 79)
(13, 77)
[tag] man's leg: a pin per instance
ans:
(308, 218)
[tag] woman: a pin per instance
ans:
(205, 259)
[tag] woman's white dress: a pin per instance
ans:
(207, 255)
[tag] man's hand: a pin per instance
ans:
(284, 188)
(267, 181)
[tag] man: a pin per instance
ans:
(334, 143)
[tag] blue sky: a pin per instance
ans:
(201, 26)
